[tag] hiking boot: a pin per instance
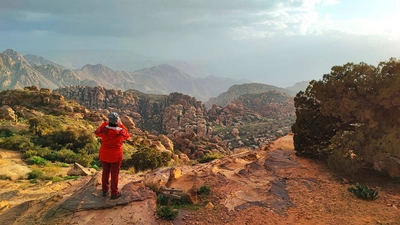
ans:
(116, 196)
(105, 193)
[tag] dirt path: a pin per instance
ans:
(315, 195)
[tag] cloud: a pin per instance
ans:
(209, 19)
(123, 18)
(278, 36)
(330, 2)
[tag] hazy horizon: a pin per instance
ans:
(271, 42)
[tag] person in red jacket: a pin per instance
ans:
(112, 133)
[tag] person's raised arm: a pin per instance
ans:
(101, 130)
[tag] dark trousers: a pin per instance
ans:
(113, 169)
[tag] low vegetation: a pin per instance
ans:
(364, 192)
(167, 212)
(55, 139)
(167, 206)
(145, 158)
(204, 190)
(209, 157)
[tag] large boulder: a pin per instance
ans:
(235, 132)
(168, 144)
(7, 113)
(128, 122)
(389, 165)
(78, 170)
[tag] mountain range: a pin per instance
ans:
(236, 91)
(18, 71)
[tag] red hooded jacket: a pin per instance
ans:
(111, 143)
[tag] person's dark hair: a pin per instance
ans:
(113, 119)
(112, 125)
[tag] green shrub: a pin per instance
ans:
(182, 202)
(36, 150)
(61, 141)
(33, 181)
(84, 159)
(128, 150)
(162, 199)
(204, 190)
(167, 213)
(165, 157)
(17, 142)
(62, 164)
(37, 160)
(67, 155)
(5, 133)
(96, 167)
(5, 177)
(209, 157)
(29, 153)
(56, 179)
(96, 162)
(74, 138)
(146, 158)
(41, 126)
(362, 191)
(71, 177)
(339, 161)
(36, 175)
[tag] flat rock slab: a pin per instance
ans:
(281, 159)
(86, 205)
(274, 168)
(90, 198)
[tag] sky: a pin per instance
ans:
(277, 42)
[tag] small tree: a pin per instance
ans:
(352, 110)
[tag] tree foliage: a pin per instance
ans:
(148, 158)
(351, 116)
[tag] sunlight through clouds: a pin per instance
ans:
(288, 19)
(303, 17)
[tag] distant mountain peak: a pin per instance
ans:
(96, 67)
(39, 61)
(242, 89)
(165, 70)
(166, 67)
(15, 56)
(299, 86)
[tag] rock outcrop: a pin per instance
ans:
(7, 113)
(183, 119)
(78, 170)
(389, 165)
